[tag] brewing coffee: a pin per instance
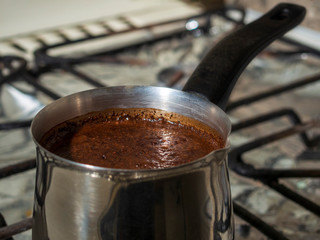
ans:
(132, 139)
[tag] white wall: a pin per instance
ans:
(24, 16)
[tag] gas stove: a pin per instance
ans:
(275, 141)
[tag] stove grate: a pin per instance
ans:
(271, 177)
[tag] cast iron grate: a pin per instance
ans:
(271, 177)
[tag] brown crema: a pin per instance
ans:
(132, 139)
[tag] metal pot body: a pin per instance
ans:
(76, 201)
(192, 201)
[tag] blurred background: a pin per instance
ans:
(21, 17)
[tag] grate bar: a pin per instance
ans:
(295, 197)
(237, 164)
(292, 116)
(299, 128)
(3, 223)
(83, 76)
(8, 231)
(273, 92)
(255, 221)
(15, 124)
(17, 168)
(14, 71)
(40, 87)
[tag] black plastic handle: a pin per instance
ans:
(218, 72)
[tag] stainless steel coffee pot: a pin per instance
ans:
(80, 202)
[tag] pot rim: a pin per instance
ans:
(86, 167)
